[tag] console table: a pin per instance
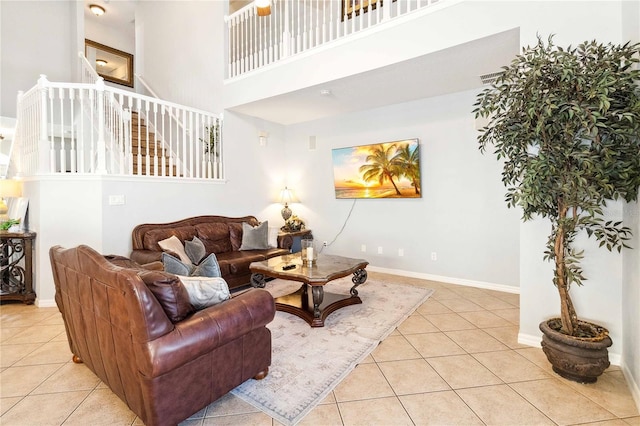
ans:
(16, 266)
(288, 239)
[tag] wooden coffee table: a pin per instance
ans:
(315, 305)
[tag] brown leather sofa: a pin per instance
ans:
(164, 370)
(220, 235)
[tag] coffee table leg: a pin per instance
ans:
(257, 281)
(359, 277)
(318, 295)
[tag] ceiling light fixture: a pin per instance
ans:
(97, 10)
(263, 7)
(101, 62)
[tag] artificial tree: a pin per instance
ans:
(566, 124)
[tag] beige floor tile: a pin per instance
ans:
(633, 421)
(510, 367)
(492, 302)
(48, 409)
(501, 405)
(560, 402)
(394, 348)
(511, 315)
(7, 403)
(484, 319)
(101, 407)
(70, 377)
(364, 382)
(229, 405)
(432, 306)
(463, 371)
(416, 324)
(469, 292)
(251, 419)
(450, 322)
(325, 415)
(511, 298)
(444, 293)
(434, 344)
(40, 334)
(48, 353)
(329, 399)
(474, 341)
(538, 357)
(439, 408)
(614, 422)
(20, 381)
(610, 392)
(412, 376)
(367, 360)
(381, 411)
(10, 354)
(461, 305)
(6, 333)
(507, 335)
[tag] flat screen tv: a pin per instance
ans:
(381, 170)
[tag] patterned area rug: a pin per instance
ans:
(308, 363)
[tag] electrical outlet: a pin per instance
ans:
(379, 250)
(324, 244)
(400, 252)
(434, 255)
(363, 248)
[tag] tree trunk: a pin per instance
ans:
(394, 184)
(567, 312)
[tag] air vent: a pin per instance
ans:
(490, 78)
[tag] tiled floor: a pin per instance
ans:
(456, 361)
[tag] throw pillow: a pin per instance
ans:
(209, 267)
(169, 292)
(195, 250)
(204, 292)
(255, 238)
(173, 297)
(176, 266)
(174, 245)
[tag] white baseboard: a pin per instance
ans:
(448, 280)
(45, 303)
(634, 386)
(534, 340)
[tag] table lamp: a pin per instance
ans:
(8, 188)
(286, 197)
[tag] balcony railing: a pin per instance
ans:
(95, 129)
(295, 26)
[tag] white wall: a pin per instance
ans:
(36, 37)
(461, 215)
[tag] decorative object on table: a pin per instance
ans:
(293, 224)
(383, 170)
(326, 355)
(287, 196)
(308, 252)
(565, 122)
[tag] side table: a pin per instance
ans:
(16, 266)
(291, 240)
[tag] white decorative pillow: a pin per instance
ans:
(273, 236)
(204, 291)
(174, 245)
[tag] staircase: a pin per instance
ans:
(140, 142)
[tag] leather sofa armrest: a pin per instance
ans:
(145, 256)
(208, 329)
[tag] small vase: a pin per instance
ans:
(309, 253)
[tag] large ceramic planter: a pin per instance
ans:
(575, 358)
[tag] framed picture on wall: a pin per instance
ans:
(111, 64)
(381, 170)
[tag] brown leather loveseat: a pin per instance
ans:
(220, 235)
(163, 366)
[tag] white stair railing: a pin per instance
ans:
(88, 128)
(295, 26)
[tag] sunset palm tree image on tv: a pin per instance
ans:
(382, 170)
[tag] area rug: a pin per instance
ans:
(308, 363)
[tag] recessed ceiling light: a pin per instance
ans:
(96, 9)
(101, 62)
(325, 92)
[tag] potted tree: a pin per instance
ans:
(566, 124)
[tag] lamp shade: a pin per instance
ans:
(263, 7)
(287, 196)
(10, 188)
